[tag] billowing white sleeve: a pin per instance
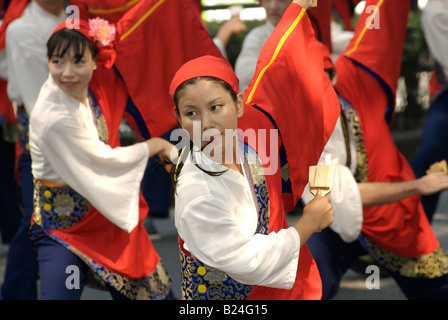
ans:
(213, 233)
(108, 177)
(435, 27)
(345, 196)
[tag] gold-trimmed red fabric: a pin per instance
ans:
(14, 11)
(155, 38)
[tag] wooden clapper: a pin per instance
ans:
(440, 166)
(321, 178)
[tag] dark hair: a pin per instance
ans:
(62, 40)
(176, 169)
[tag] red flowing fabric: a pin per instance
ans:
(290, 92)
(110, 10)
(320, 17)
(368, 74)
(308, 284)
(154, 39)
(296, 93)
(146, 62)
(205, 66)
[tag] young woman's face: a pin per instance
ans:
(72, 74)
(275, 9)
(208, 106)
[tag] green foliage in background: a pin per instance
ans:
(236, 41)
(416, 58)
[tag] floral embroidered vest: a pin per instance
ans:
(202, 282)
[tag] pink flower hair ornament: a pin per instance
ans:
(102, 32)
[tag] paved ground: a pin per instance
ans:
(352, 287)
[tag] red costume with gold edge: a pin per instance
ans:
(110, 10)
(288, 92)
(155, 39)
(6, 109)
(368, 74)
(13, 12)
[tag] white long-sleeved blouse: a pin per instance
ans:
(216, 217)
(66, 149)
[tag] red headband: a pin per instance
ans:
(205, 66)
(100, 33)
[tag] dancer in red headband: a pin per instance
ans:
(229, 212)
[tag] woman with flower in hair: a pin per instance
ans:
(87, 222)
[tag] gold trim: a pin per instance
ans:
(140, 21)
(429, 266)
(274, 56)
